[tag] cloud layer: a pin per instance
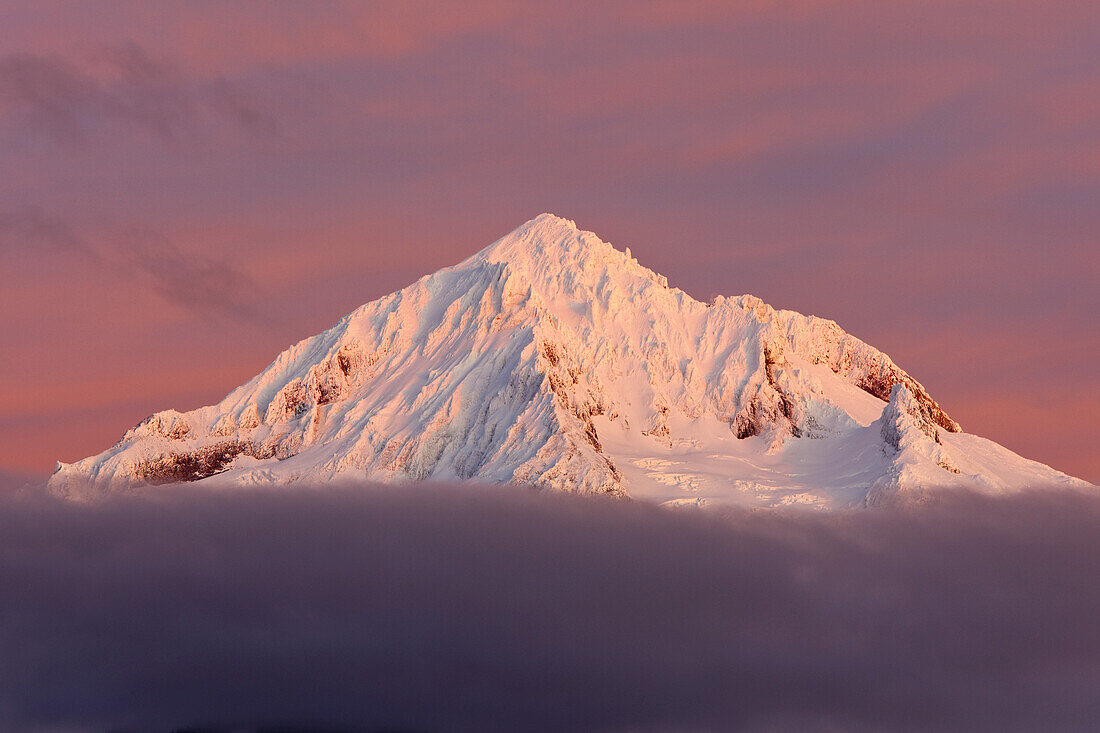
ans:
(452, 608)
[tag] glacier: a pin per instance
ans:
(552, 359)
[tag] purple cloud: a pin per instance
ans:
(455, 608)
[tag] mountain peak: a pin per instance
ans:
(549, 220)
(546, 229)
(556, 257)
(551, 358)
(547, 236)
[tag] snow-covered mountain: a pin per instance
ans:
(551, 358)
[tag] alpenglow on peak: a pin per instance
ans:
(552, 359)
(549, 244)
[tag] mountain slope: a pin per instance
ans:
(551, 358)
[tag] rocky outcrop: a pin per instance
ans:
(166, 424)
(821, 341)
(904, 417)
(907, 425)
(195, 464)
(578, 401)
(769, 407)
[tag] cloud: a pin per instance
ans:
(32, 228)
(51, 88)
(454, 608)
(202, 284)
(900, 167)
(12, 482)
(73, 101)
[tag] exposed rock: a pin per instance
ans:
(289, 403)
(250, 418)
(194, 465)
(882, 382)
(167, 424)
(902, 415)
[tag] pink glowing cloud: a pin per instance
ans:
(190, 189)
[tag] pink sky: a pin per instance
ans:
(189, 188)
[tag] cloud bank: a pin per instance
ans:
(452, 608)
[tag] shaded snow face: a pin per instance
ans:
(452, 608)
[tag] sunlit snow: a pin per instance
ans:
(551, 358)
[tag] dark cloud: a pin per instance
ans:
(447, 608)
(202, 284)
(122, 83)
(31, 228)
(53, 90)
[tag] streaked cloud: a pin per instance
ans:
(909, 169)
(32, 228)
(72, 100)
(202, 284)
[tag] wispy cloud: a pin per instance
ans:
(199, 283)
(32, 228)
(202, 284)
(75, 101)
